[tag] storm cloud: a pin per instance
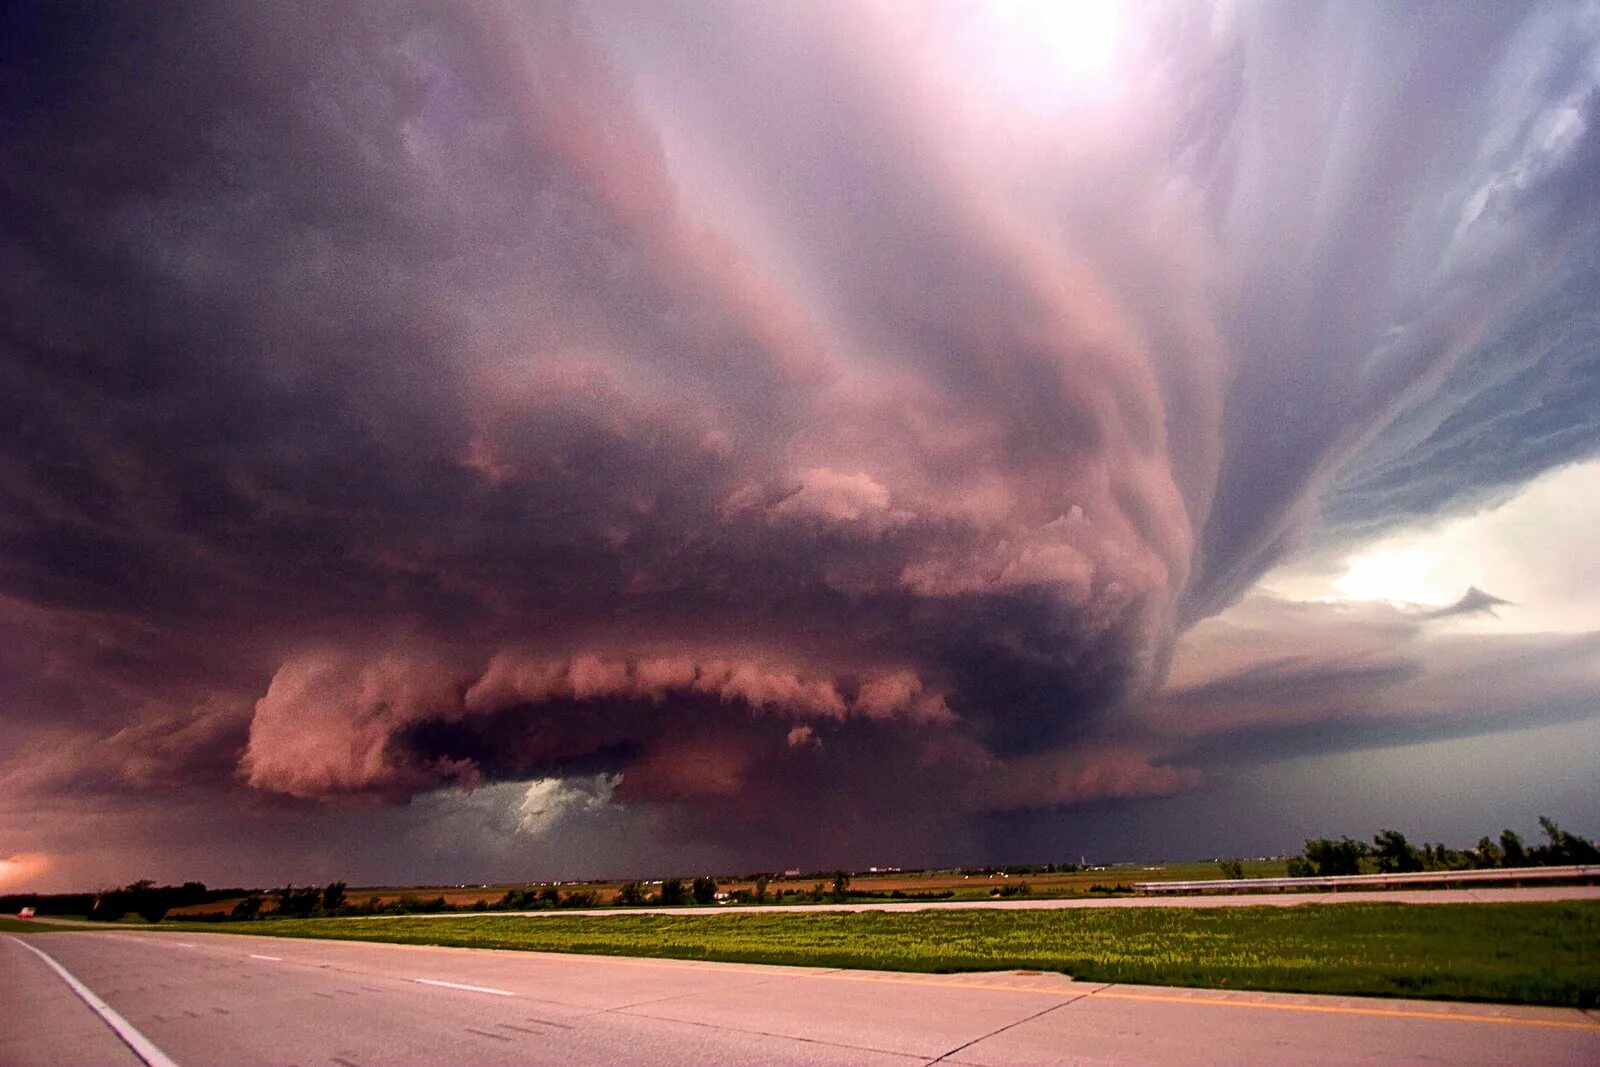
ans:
(686, 408)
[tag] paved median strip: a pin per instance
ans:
(468, 988)
(142, 1046)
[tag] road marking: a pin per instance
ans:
(468, 988)
(258, 956)
(142, 1046)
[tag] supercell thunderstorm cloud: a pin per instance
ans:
(511, 438)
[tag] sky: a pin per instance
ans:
(463, 442)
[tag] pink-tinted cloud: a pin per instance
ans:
(754, 403)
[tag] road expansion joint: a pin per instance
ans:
(724, 1028)
(1027, 1019)
(625, 1008)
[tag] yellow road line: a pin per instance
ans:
(1231, 1002)
(1339, 1009)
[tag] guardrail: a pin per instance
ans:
(1497, 875)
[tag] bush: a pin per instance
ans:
(1232, 868)
(109, 906)
(516, 900)
(705, 890)
(630, 894)
(672, 892)
(248, 908)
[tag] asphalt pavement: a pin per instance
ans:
(239, 999)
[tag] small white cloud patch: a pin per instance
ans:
(550, 802)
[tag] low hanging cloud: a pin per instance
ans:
(716, 407)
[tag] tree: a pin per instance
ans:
(761, 887)
(1564, 848)
(332, 897)
(1232, 868)
(1329, 858)
(841, 885)
(672, 892)
(1511, 849)
(152, 908)
(248, 908)
(705, 890)
(1394, 854)
(1488, 853)
(630, 894)
(298, 903)
(109, 906)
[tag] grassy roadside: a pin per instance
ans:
(1512, 953)
(25, 926)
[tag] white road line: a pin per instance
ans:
(274, 959)
(141, 1045)
(468, 988)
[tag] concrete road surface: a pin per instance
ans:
(235, 999)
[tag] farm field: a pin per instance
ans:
(1512, 953)
(962, 884)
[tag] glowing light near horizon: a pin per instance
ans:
(15, 870)
(1400, 574)
(1041, 54)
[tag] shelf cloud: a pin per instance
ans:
(680, 408)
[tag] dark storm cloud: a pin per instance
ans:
(723, 403)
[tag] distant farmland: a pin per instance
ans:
(963, 884)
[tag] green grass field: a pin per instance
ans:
(1514, 953)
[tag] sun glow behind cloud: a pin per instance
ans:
(1549, 589)
(21, 869)
(1043, 56)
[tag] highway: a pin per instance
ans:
(238, 999)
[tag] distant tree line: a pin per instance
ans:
(1391, 853)
(143, 898)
